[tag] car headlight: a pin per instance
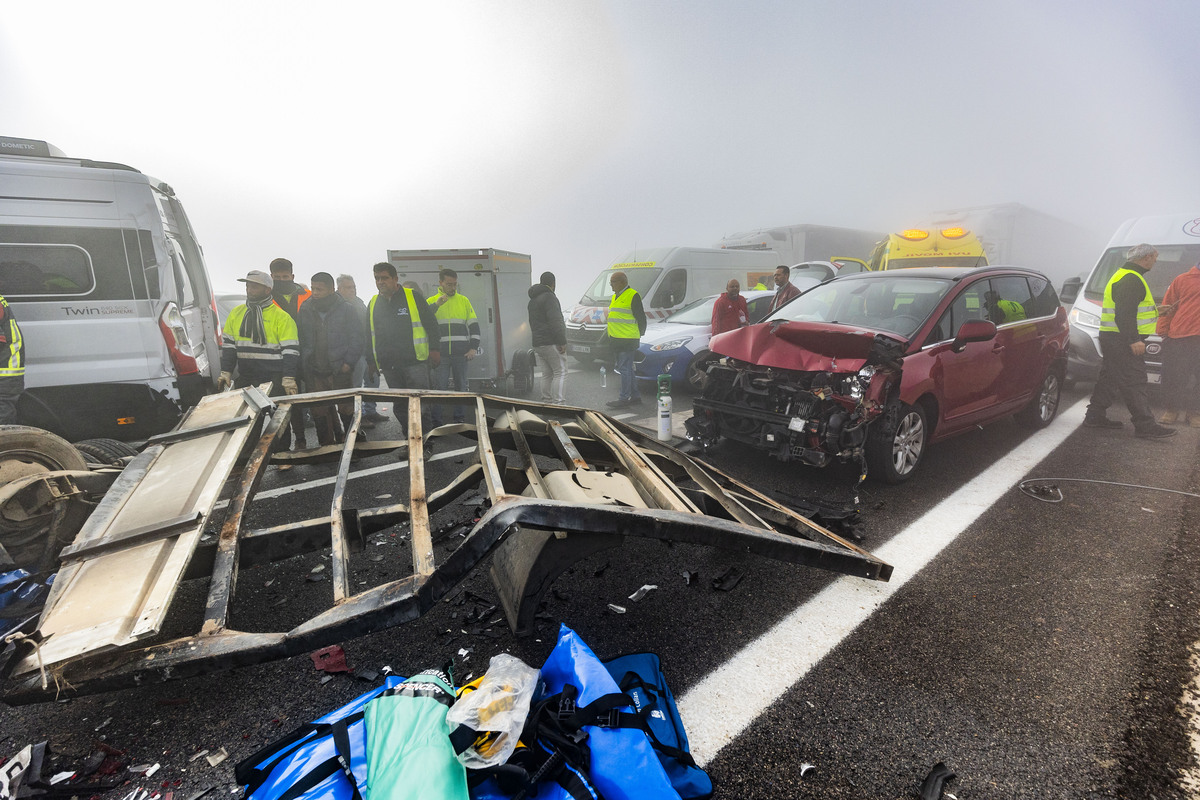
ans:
(674, 344)
(1083, 319)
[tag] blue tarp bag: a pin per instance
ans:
(323, 760)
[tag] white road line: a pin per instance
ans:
(716, 713)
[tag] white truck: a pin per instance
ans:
(497, 284)
(795, 244)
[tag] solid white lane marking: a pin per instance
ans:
(773, 663)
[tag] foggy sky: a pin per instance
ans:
(329, 133)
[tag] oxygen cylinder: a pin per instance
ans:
(603, 377)
(664, 408)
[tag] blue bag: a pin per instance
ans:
(323, 760)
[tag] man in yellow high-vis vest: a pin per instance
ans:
(1127, 316)
(626, 324)
(402, 336)
(12, 364)
(459, 329)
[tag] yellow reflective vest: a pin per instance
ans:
(14, 366)
(621, 322)
(1147, 314)
(280, 354)
(420, 338)
(458, 324)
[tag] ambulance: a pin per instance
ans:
(924, 247)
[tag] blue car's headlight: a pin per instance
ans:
(674, 344)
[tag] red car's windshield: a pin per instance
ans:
(889, 303)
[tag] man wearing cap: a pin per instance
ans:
(402, 334)
(331, 343)
(260, 341)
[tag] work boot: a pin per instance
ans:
(1154, 432)
(1168, 418)
(1101, 422)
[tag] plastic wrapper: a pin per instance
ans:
(495, 710)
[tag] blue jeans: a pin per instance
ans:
(455, 366)
(629, 387)
(359, 378)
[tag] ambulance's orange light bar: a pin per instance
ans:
(914, 235)
(954, 233)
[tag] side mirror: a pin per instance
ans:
(974, 330)
(1070, 290)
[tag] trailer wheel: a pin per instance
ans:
(106, 452)
(522, 372)
(28, 451)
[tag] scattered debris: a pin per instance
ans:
(804, 768)
(727, 579)
(315, 578)
(642, 592)
(326, 679)
(61, 776)
(689, 577)
(600, 569)
(935, 781)
(150, 772)
(616, 609)
(377, 559)
(367, 674)
(464, 653)
(317, 568)
(197, 795)
(198, 755)
(559, 594)
(330, 659)
(268, 583)
(216, 758)
(103, 724)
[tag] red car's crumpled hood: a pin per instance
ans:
(805, 346)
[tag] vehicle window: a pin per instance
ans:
(1008, 300)
(758, 307)
(1173, 261)
(672, 289)
(184, 291)
(932, 261)
(708, 282)
(1045, 299)
(968, 305)
(45, 269)
(887, 302)
(600, 293)
(697, 313)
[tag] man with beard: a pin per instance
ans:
(331, 343)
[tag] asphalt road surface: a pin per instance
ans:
(1036, 649)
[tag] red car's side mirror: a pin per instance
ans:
(974, 330)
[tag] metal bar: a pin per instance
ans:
(526, 455)
(565, 447)
(170, 437)
(133, 536)
(257, 400)
(340, 549)
(645, 475)
(487, 456)
(225, 563)
(418, 508)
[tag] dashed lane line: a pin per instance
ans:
(723, 704)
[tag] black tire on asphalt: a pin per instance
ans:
(1043, 406)
(522, 372)
(894, 453)
(29, 451)
(109, 452)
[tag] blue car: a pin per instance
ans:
(678, 345)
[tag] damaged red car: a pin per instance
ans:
(872, 368)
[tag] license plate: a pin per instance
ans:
(1154, 377)
(579, 348)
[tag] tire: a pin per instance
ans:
(107, 452)
(30, 451)
(1043, 406)
(522, 372)
(894, 453)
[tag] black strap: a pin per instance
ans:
(253, 777)
(312, 778)
(341, 741)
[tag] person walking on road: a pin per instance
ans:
(289, 296)
(261, 342)
(784, 289)
(331, 343)
(402, 331)
(1127, 316)
(626, 324)
(12, 364)
(348, 289)
(1179, 327)
(730, 311)
(458, 328)
(549, 332)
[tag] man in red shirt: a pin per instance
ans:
(1179, 326)
(730, 312)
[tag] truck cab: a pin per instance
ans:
(924, 247)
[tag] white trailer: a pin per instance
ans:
(497, 284)
(798, 243)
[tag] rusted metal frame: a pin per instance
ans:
(487, 456)
(646, 476)
(184, 434)
(406, 599)
(225, 561)
(528, 463)
(418, 507)
(567, 450)
(339, 547)
(129, 538)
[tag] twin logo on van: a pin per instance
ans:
(1192, 228)
(98, 311)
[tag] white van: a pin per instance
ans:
(108, 284)
(1177, 238)
(667, 278)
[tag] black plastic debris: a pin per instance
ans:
(367, 674)
(690, 577)
(600, 570)
(727, 579)
(935, 782)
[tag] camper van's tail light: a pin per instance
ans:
(914, 235)
(175, 335)
(218, 322)
(954, 233)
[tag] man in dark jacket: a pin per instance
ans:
(402, 336)
(1127, 316)
(331, 343)
(290, 296)
(549, 331)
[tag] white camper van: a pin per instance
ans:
(108, 283)
(1177, 238)
(667, 278)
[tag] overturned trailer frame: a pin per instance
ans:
(560, 483)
